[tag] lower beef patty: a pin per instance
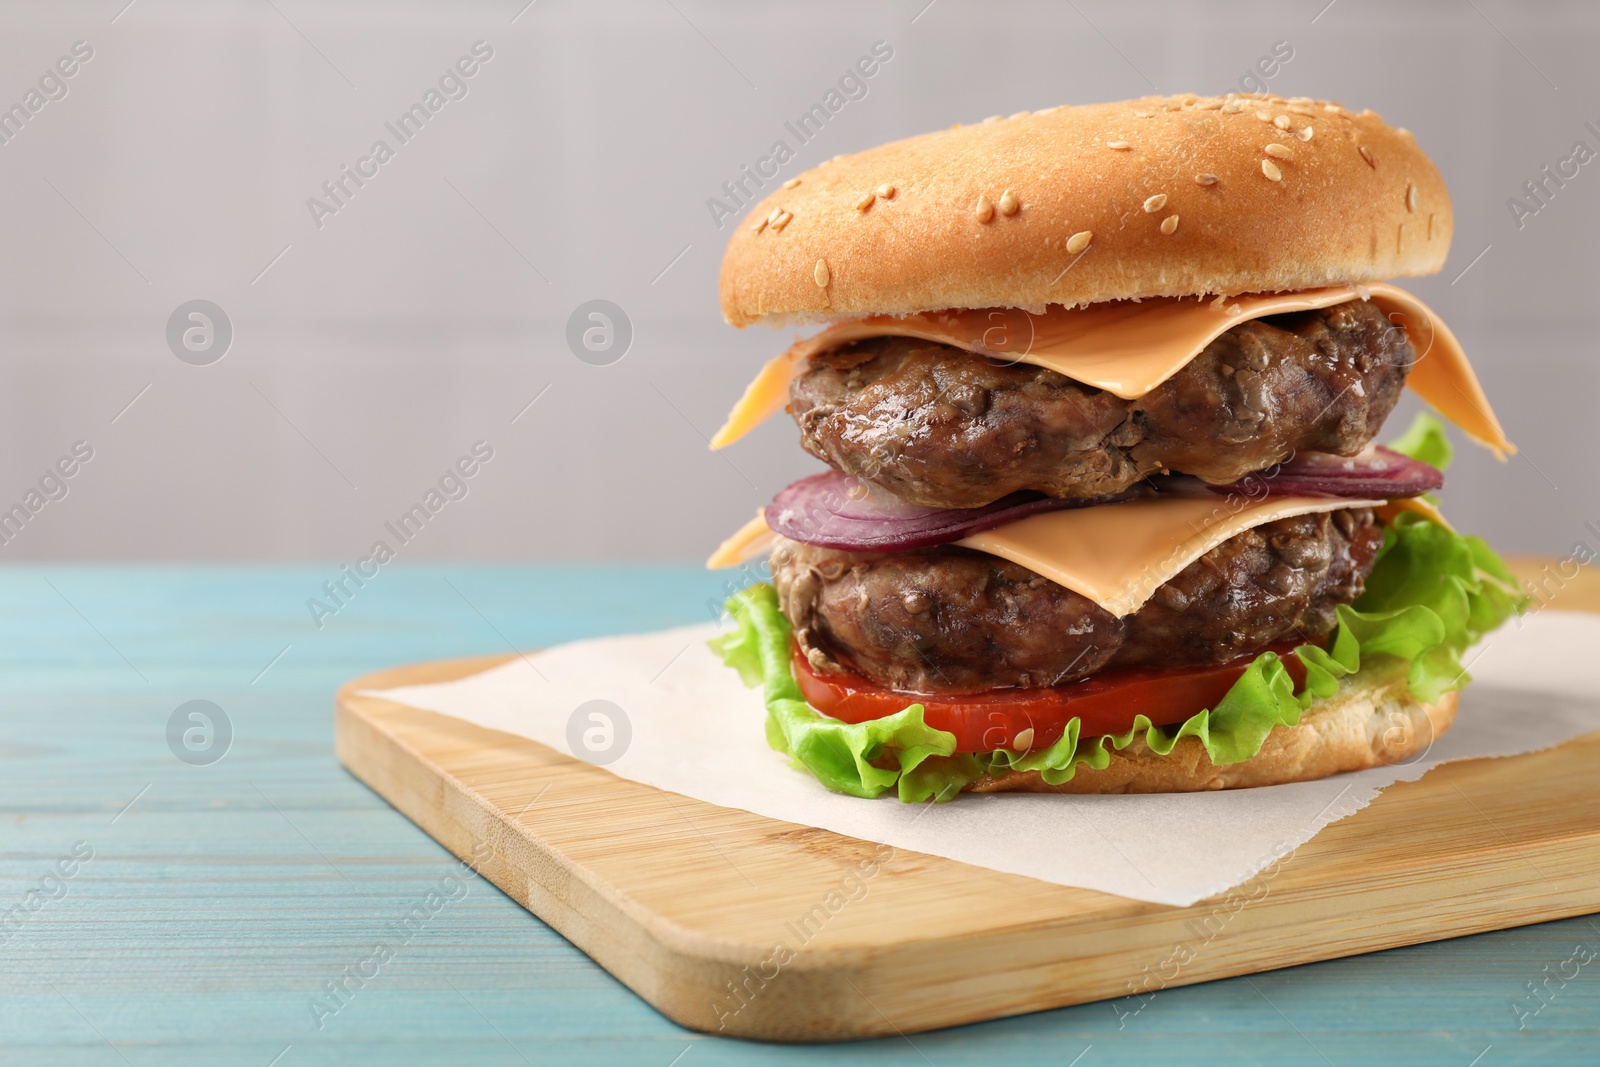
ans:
(951, 619)
(940, 427)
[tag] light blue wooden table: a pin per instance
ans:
(221, 897)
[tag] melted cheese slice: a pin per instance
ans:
(1417, 505)
(755, 538)
(1130, 348)
(1118, 555)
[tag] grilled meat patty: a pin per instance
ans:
(951, 619)
(938, 426)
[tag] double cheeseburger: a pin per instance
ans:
(1098, 389)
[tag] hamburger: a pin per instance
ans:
(1099, 390)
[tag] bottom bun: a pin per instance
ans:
(1366, 724)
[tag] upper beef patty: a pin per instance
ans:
(941, 427)
(950, 619)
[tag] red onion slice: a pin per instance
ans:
(831, 510)
(1377, 472)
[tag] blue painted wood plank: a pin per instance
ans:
(227, 896)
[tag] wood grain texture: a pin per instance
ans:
(684, 901)
(227, 896)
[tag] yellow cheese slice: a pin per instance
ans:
(1414, 504)
(1118, 555)
(1129, 348)
(752, 540)
(764, 397)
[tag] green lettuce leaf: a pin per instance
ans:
(1425, 440)
(861, 759)
(1431, 594)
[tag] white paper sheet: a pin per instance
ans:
(688, 725)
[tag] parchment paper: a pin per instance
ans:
(681, 721)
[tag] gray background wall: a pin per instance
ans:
(431, 309)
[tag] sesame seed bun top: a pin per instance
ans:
(1163, 196)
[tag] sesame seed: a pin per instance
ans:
(1155, 203)
(1403, 132)
(866, 201)
(1264, 116)
(758, 227)
(1279, 151)
(1210, 105)
(1306, 134)
(782, 220)
(1120, 146)
(1301, 109)
(1366, 154)
(1019, 114)
(1233, 107)
(820, 273)
(1023, 741)
(886, 191)
(1079, 241)
(1299, 100)
(1169, 225)
(1282, 122)
(1270, 169)
(984, 210)
(1205, 179)
(791, 183)
(1009, 203)
(775, 214)
(1332, 109)
(1411, 198)
(994, 118)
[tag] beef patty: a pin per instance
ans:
(951, 619)
(938, 426)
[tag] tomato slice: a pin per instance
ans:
(1022, 719)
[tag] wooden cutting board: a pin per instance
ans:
(688, 903)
